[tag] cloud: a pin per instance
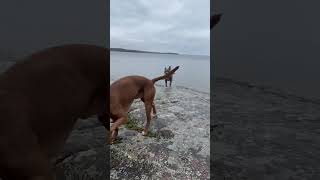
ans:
(161, 25)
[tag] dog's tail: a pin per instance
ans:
(166, 75)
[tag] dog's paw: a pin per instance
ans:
(154, 115)
(144, 133)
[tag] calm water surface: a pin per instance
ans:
(194, 71)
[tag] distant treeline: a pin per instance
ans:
(138, 51)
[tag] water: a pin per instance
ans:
(194, 71)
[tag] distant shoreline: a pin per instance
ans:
(139, 51)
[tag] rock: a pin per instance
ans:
(167, 134)
(85, 155)
(176, 147)
(179, 145)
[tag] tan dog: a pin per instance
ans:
(122, 94)
(41, 97)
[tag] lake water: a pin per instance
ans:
(194, 71)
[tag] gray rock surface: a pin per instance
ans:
(181, 148)
(85, 155)
(263, 133)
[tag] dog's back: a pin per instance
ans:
(130, 86)
(42, 96)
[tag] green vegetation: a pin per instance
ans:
(152, 134)
(133, 125)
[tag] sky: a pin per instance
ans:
(180, 26)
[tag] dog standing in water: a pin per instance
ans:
(169, 78)
(41, 98)
(122, 94)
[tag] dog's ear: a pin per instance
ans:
(214, 20)
(176, 68)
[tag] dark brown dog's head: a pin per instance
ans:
(166, 71)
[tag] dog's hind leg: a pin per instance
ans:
(148, 107)
(154, 109)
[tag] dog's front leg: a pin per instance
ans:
(115, 133)
(115, 126)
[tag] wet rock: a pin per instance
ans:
(165, 133)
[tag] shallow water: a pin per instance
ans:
(194, 71)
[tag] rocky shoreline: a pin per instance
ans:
(178, 149)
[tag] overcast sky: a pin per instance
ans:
(180, 26)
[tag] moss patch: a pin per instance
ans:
(152, 134)
(133, 125)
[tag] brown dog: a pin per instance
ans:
(169, 78)
(122, 94)
(41, 97)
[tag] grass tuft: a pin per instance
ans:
(133, 125)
